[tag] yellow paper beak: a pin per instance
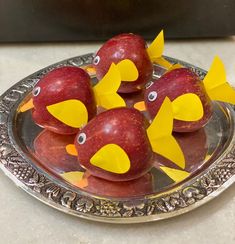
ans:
(27, 106)
(140, 106)
(71, 150)
(70, 112)
(90, 70)
(111, 158)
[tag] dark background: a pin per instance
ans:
(73, 20)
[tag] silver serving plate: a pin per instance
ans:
(211, 177)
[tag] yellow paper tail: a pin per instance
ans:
(71, 150)
(160, 135)
(175, 174)
(155, 50)
(128, 70)
(163, 62)
(70, 112)
(27, 106)
(106, 90)
(216, 84)
(175, 66)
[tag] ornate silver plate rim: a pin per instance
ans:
(183, 198)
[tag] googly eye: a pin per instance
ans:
(36, 91)
(148, 84)
(152, 96)
(81, 138)
(96, 60)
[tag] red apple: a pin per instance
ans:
(125, 127)
(174, 84)
(137, 187)
(59, 85)
(125, 46)
(50, 150)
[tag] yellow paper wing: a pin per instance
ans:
(112, 158)
(187, 107)
(175, 174)
(70, 112)
(160, 135)
(216, 84)
(106, 90)
(128, 70)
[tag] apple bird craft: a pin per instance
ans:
(64, 100)
(119, 144)
(181, 81)
(133, 47)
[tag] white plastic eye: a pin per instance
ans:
(96, 60)
(152, 96)
(148, 84)
(36, 91)
(81, 138)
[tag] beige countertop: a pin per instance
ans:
(23, 219)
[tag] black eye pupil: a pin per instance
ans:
(36, 91)
(80, 139)
(152, 96)
(96, 60)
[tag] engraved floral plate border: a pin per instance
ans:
(183, 198)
